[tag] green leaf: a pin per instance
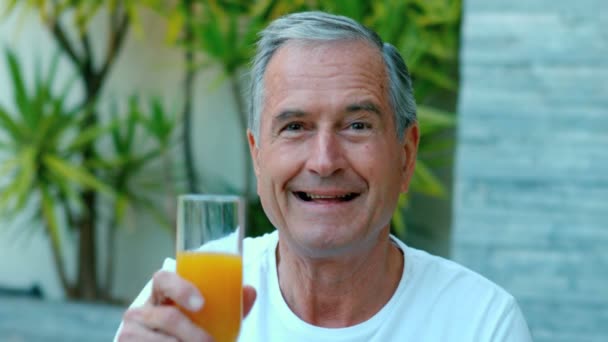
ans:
(10, 6)
(140, 162)
(116, 138)
(120, 207)
(132, 119)
(433, 119)
(67, 192)
(78, 174)
(10, 126)
(425, 182)
(175, 25)
(48, 212)
(8, 165)
(20, 92)
(16, 193)
(88, 136)
(25, 178)
(439, 79)
(398, 219)
(435, 145)
(106, 163)
(52, 72)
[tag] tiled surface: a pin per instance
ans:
(531, 178)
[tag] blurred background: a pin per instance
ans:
(109, 109)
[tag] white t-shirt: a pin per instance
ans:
(436, 300)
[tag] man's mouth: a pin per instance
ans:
(310, 197)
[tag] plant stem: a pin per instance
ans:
(109, 271)
(93, 80)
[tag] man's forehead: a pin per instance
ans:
(323, 52)
(322, 61)
(354, 68)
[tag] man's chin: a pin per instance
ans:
(325, 244)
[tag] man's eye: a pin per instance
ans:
(359, 125)
(294, 126)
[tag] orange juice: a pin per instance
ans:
(219, 279)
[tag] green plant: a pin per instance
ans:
(92, 74)
(45, 155)
(82, 209)
(43, 147)
(142, 139)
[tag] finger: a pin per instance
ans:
(169, 321)
(136, 332)
(249, 296)
(168, 287)
(133, 330)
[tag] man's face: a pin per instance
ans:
(328, 162)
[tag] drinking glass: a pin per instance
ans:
(209, 254)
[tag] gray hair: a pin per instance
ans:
(324, 27)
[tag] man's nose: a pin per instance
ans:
(326, 156)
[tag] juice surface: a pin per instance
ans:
(219, 279)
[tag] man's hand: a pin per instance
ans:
(160, 320)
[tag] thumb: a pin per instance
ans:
(249, 296)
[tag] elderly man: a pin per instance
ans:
(333, 138)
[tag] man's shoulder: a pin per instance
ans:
(463, 303)
(255, 247)
(445, 276)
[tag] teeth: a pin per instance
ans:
(312, 196)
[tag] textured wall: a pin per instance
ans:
(531, 180)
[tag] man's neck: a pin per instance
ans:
(343, 291)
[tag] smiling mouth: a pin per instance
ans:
(308, 197)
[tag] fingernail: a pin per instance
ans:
(195, 303)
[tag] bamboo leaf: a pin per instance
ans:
(78, 174)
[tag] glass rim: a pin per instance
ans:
(210, 197)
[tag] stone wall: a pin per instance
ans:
(531, 178)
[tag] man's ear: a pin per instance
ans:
(410, 148)
(254, 151)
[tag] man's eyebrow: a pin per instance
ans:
(288, 114)
(363, 106)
